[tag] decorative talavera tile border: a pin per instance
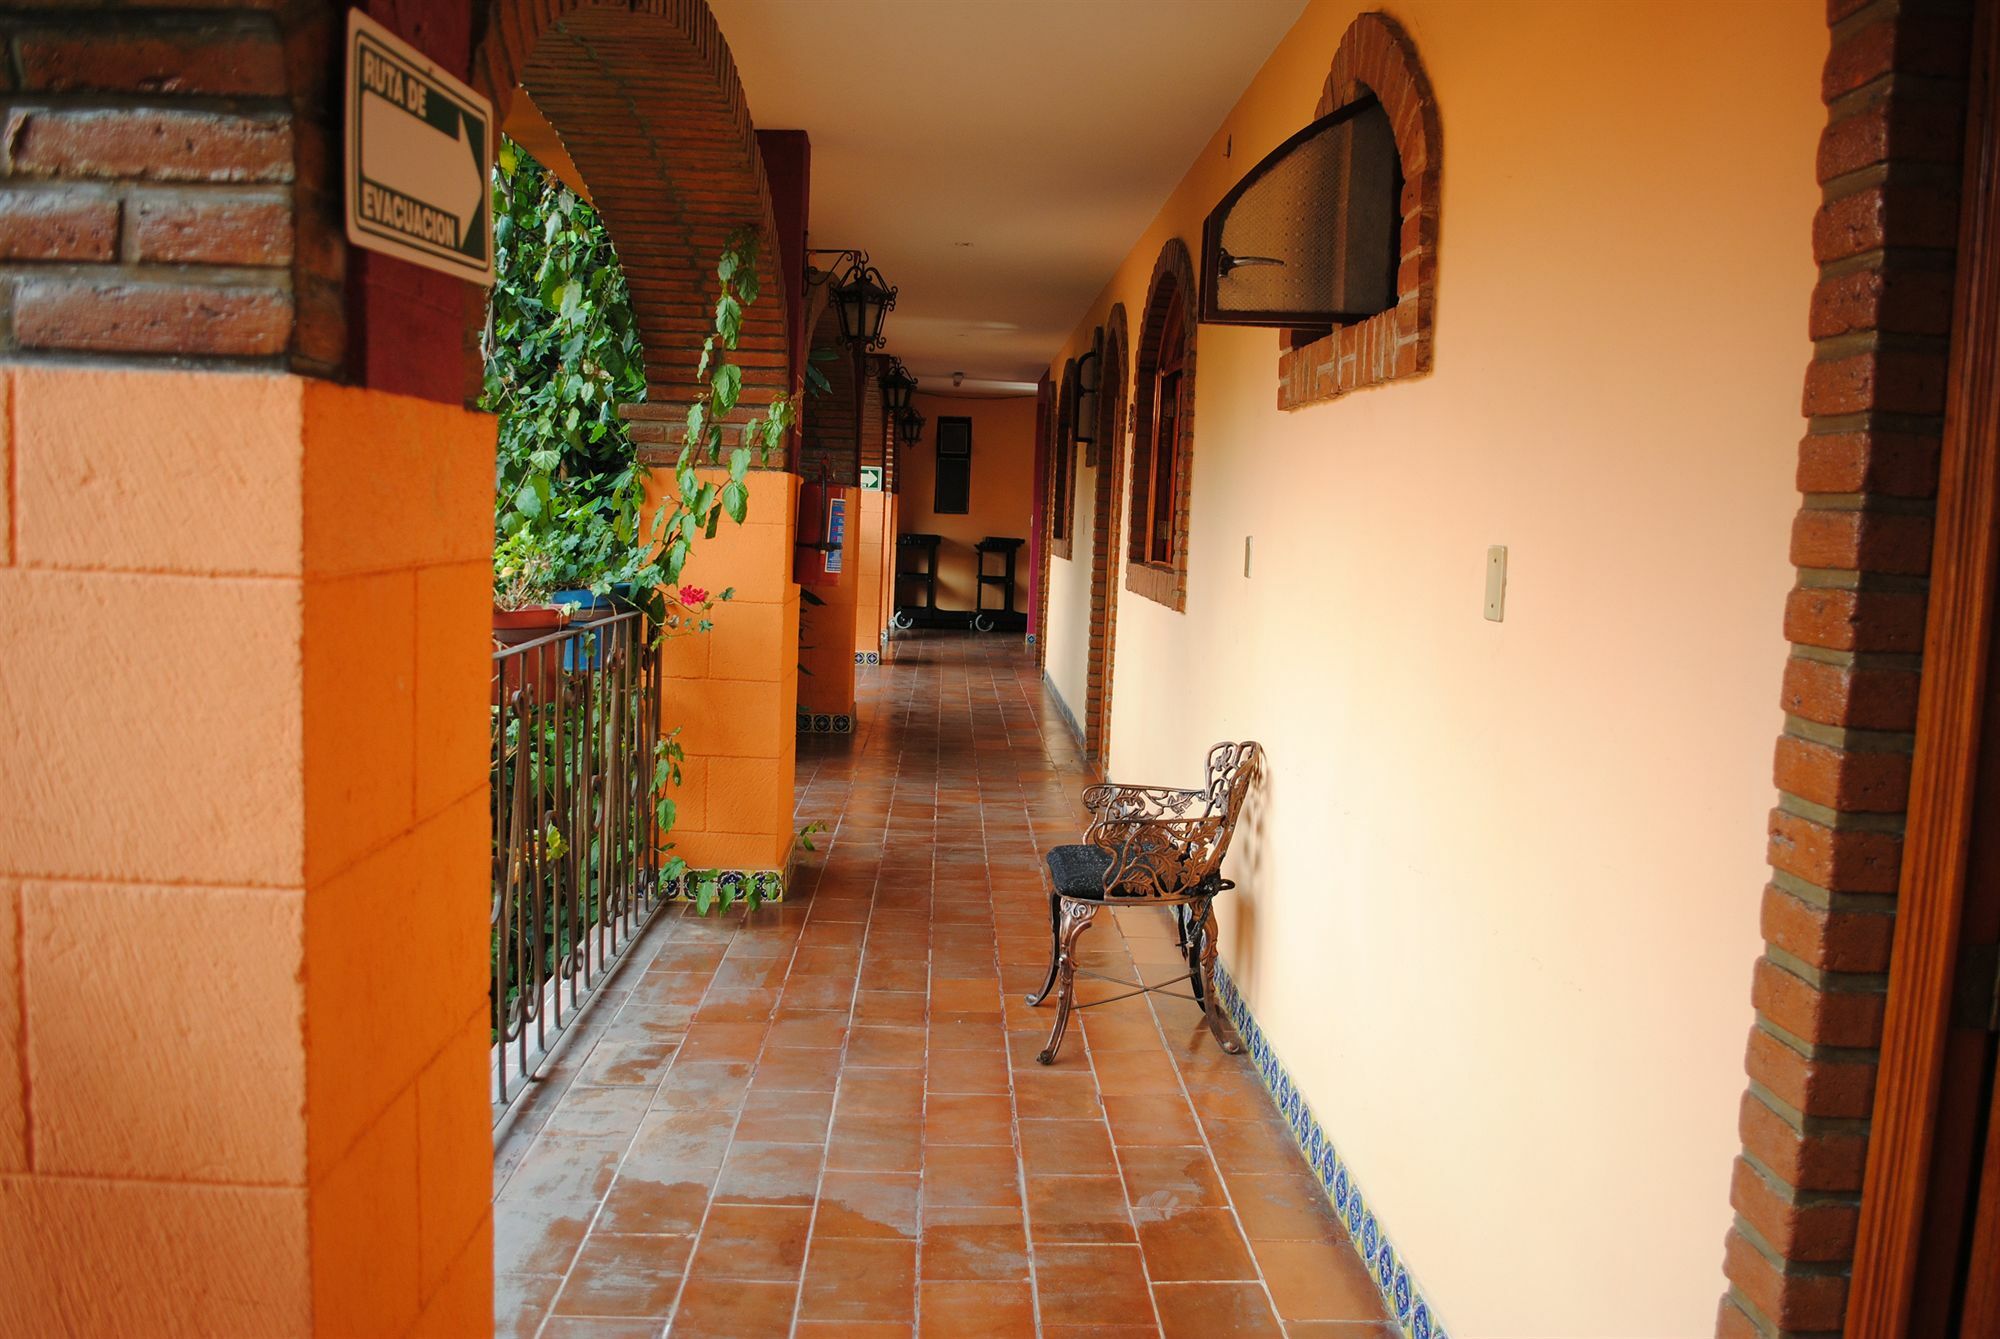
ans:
(770, 883)
(867, 657)
(1412, 1310)
(1031, 639)
(825, 723)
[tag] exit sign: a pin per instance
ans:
(419, 157)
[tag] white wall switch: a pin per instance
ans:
(1496, 583)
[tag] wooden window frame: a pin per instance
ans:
(1157, 523)
(1062, 469)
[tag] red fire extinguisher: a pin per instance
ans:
(815, 536)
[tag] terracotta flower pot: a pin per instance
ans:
(541, 669)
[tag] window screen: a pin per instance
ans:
(1310, 235)
(953, 493)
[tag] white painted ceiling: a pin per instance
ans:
(1046, 134)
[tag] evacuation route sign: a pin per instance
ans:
(419, 157)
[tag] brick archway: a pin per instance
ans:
(1113, 384)
(646, 99)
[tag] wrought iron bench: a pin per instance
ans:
(1149, 846)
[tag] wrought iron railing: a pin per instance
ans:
(576, 841)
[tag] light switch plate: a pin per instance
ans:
(1246, 556)
(1496, 583)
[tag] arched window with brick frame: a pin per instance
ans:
(1163, 433)
(1333, 236)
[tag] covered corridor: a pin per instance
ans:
(1564, 434)
(826, 1117)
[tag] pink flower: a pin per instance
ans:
(694, 597)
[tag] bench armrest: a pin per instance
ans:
(1141, 802)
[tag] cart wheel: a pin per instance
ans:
(903, 621)
(982, 623)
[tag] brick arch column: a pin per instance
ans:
(246, 799)
(1172, 283)
(1113, 389)
(646, 99)
(1885, 239)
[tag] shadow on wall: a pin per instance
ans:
(1239, 910)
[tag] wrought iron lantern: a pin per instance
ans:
(897, 385)
(862, 301)
(861, 298)
(910, 427)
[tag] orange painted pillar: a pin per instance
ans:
(733, 692)
(892, 526)
(870, 615)
(243, 857)
(826, 635)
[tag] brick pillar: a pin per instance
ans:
(1874, 397)
(243, 904)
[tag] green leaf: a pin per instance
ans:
(728, 386)
(736, 500)
(728, 319)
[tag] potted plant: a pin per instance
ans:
(523, 584)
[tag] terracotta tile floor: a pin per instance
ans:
(826, 1119)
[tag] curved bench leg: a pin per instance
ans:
(1055, 949)
(1076, 918)
(1202, 975)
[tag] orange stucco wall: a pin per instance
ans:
(1001, 501)
(734, 692)
(245, 636)
(1499, 906)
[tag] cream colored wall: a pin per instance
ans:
(1001, 500)
(1499, 910)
